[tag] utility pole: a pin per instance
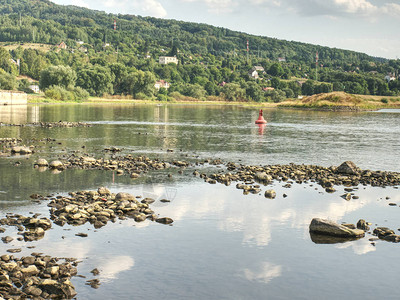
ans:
(247, 51)
(316, 65)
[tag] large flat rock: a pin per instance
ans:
(327, 227)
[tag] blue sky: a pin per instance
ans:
(369, 26)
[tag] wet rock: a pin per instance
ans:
(394, 238)
(63, 290)
(56, 164)
(348, 168)
(148, 200)
(263, 177)
(81, 234)
(94, 283)
(134, 175)
(330, 190)
(361, 224)
(29, 271)
(41, 162)
(7, 239)
(14, 250)
(164, 220)
(95, 272)
(271, 194)
(124, 196)
(103, 191)
(34, 234)
(327, 227)
(383, 231)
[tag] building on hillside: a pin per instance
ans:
(62, 45)
(165, 60)
(35, 88)
(83, 49)
(161, 84)
(390, 77)
(281, 59)
(268, 88)
(255, 72)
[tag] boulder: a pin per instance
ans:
(103, 191)
(124, 196)
(347, 168)
(164, 220)
(361, 224)
(327, 227)
(264, 177)
(63, 290)
(56, 164)
(271, 194)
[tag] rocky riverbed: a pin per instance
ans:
(43, 277)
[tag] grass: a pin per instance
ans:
(343, 101)
(42, 47)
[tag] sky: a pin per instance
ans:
(368, 26)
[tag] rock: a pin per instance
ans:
(95, 272)
(124, 196)
(134, 175)
(326, 227)
(103, 191)
(330, 190)
(56, 164)
(32, 290)
(347, 168)
(148, 200)
(41, 162)
(14, 250)
(383, 231)
(34, 235)
(62, 290)
(7, 239)
(32, 223)
(263, 177)
(271, 194)
(81, 234)
(394, 238)
(164, 220)
(361, 224)
(30, 271)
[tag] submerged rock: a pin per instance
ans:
(327, 227)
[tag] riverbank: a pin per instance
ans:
(336, 101)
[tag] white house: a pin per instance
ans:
(390, 77)
(35, 88)
(254, 72)
(165, 60)
(161, 84)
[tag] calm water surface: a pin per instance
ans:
(223, 244)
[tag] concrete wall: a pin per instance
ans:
(13, 97)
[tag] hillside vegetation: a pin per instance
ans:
(97, 60)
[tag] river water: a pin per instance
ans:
(223, 244)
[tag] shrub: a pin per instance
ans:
(384, 100)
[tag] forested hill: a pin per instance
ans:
(75, 51)
(45, 22)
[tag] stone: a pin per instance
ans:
(41, 162)
(134, 175)
(327, 227)
(17, 250)
(164, 220)
(271, 194)
(32, 290)
(30, 270)
(124, 196)
(394, 238)
(383, 231)
(81, 234)
(34, 235)
(264, 177)
(103, 191)
(347, 168)
(62, 290)
(361, 224)
(7, 239)
(56, 164)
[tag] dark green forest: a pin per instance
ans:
(213, 62)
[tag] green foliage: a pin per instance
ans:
(57, 76)
(233, 92)
(97, 80)
(7, 81)
(56, 92)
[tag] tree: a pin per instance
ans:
(276, 70)
(308, 88)
(233, 92)
(96, 80)
(62, 76)
(139, 82)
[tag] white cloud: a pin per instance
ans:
(138, 7)
(391, 9)
(80, 3)
(266, 273)
(217, 6)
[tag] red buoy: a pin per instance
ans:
(261, 119)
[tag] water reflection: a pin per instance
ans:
(264, 272)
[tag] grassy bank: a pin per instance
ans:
(342, 101)
(336, 101)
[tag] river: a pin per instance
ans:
(223, 244)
